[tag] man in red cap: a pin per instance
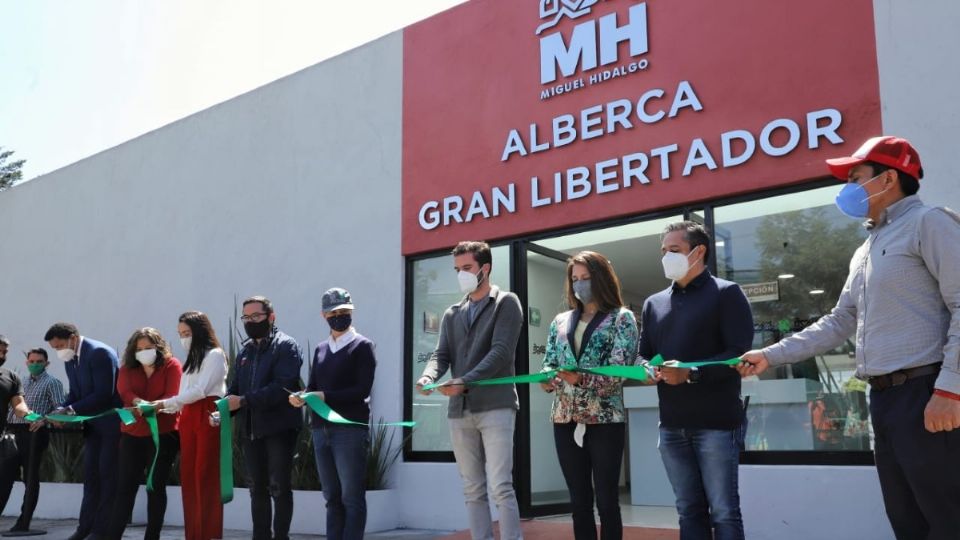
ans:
(901, 301)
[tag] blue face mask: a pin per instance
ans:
(854, 201)
(582, 290)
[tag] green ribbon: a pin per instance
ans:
(530, 378)
(226, 451)
(324, 411)
(125, 416)
(636, 373)
(658, 361)
(149, 413)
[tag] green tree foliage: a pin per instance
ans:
(10, 172)
(816, 249)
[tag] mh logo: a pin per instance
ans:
(584, 47)
(558, 8)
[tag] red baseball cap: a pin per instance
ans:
(890, 151)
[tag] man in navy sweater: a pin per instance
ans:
(268, 364)
(698, 318)
(341, 374)
(92, 372)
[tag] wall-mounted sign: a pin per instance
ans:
(762, 292)
(534, 317)
(530, 115)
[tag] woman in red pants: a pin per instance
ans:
(204, 381)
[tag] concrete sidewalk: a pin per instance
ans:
(60, 529)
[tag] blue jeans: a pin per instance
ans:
(702, 465)
(341, 454)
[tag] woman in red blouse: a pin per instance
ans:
(149, 373)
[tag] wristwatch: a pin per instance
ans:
(694, 376)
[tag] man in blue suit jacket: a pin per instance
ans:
(92, 372)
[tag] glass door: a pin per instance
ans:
(542, 487)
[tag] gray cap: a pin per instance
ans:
(336, 298)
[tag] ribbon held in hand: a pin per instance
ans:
(149, 413)
(324, 411)
(658, 361)
(636, 373)
(226, 451)
(125, 416)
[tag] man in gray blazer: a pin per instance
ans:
(478, 340)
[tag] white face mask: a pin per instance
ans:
(186, 342)
(147, 356)
(469, 282)
(66, 355)
(675, 265)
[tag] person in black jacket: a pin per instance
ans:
(341, 375)
(268, 364)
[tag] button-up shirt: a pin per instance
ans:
(42, 393)
(901, 300)
(345, 339)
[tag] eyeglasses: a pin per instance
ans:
(254, 317)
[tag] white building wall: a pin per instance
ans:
(295, 187)
(917, 48)
(285, 191)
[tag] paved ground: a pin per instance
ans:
(640, 523)
(533, 530)
(62, 529)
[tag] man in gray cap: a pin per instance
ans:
(341, 374)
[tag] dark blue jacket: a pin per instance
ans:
(93, 381)
(262, 372)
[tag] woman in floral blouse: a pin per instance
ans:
(588, 410)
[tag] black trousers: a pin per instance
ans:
(594, 468)
(135, 457)
(269, 463)
(919, 472)
(26, 466)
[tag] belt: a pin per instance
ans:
(882, 382)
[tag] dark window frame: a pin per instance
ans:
(518, 246)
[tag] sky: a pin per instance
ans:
(78, 77)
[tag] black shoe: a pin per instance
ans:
(78, 535)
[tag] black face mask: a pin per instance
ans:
(257, 330)
(340, 323)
